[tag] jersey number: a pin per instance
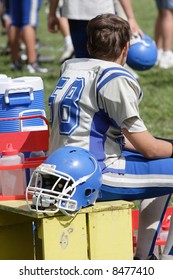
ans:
(69, 110)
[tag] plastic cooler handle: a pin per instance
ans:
(26, 128)
(25, 118)
(25, 100)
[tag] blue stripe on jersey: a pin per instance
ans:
(122, 72)
(116, 69)
(100, 124)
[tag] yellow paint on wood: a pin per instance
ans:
(65, 240)
(110, 235)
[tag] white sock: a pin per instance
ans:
(167, 53)
(159, 53)
(68, 41)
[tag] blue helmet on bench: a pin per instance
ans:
(142, 53)
(68, 180)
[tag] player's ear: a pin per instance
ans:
(126, 48)
(88, 49)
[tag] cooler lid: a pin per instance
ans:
(5, 82)
(35, 81)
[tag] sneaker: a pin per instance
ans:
(16, 65)
(152, 257)
(36, 68)
(67, 54)
(23, 56)
(166, 60)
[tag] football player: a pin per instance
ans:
(95, 105)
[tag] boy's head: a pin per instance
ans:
(108, 37)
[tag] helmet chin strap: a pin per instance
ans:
(68, 213)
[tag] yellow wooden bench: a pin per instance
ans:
(99, 232)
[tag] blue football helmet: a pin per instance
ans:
(142, 53)
(69, 179)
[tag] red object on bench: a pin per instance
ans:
(25, 141)
(135, 218)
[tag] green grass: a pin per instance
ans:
(156, 106)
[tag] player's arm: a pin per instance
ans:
(52, 20)
(148, 145)
(127, 6)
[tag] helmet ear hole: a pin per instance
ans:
(89, 192)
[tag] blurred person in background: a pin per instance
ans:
(120, 11)
(63, 26)
(79, 12)
(68, 50)
(6, 22)
(24, 21)
(164, 33)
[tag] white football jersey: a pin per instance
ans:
(92, 101)
(86, 9)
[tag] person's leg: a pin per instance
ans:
(150, 180)
(30, 12)
(30, 18)
(29, 38)
(14, 35)
(158, 38)
(64, 28)
(164, 33)
(166, 18)
(168, 250)
(68, 45)
(14, 38)
(78, 31)
(151, 214)
(158, 26)
(166, 60)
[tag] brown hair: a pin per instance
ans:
(107, 36)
